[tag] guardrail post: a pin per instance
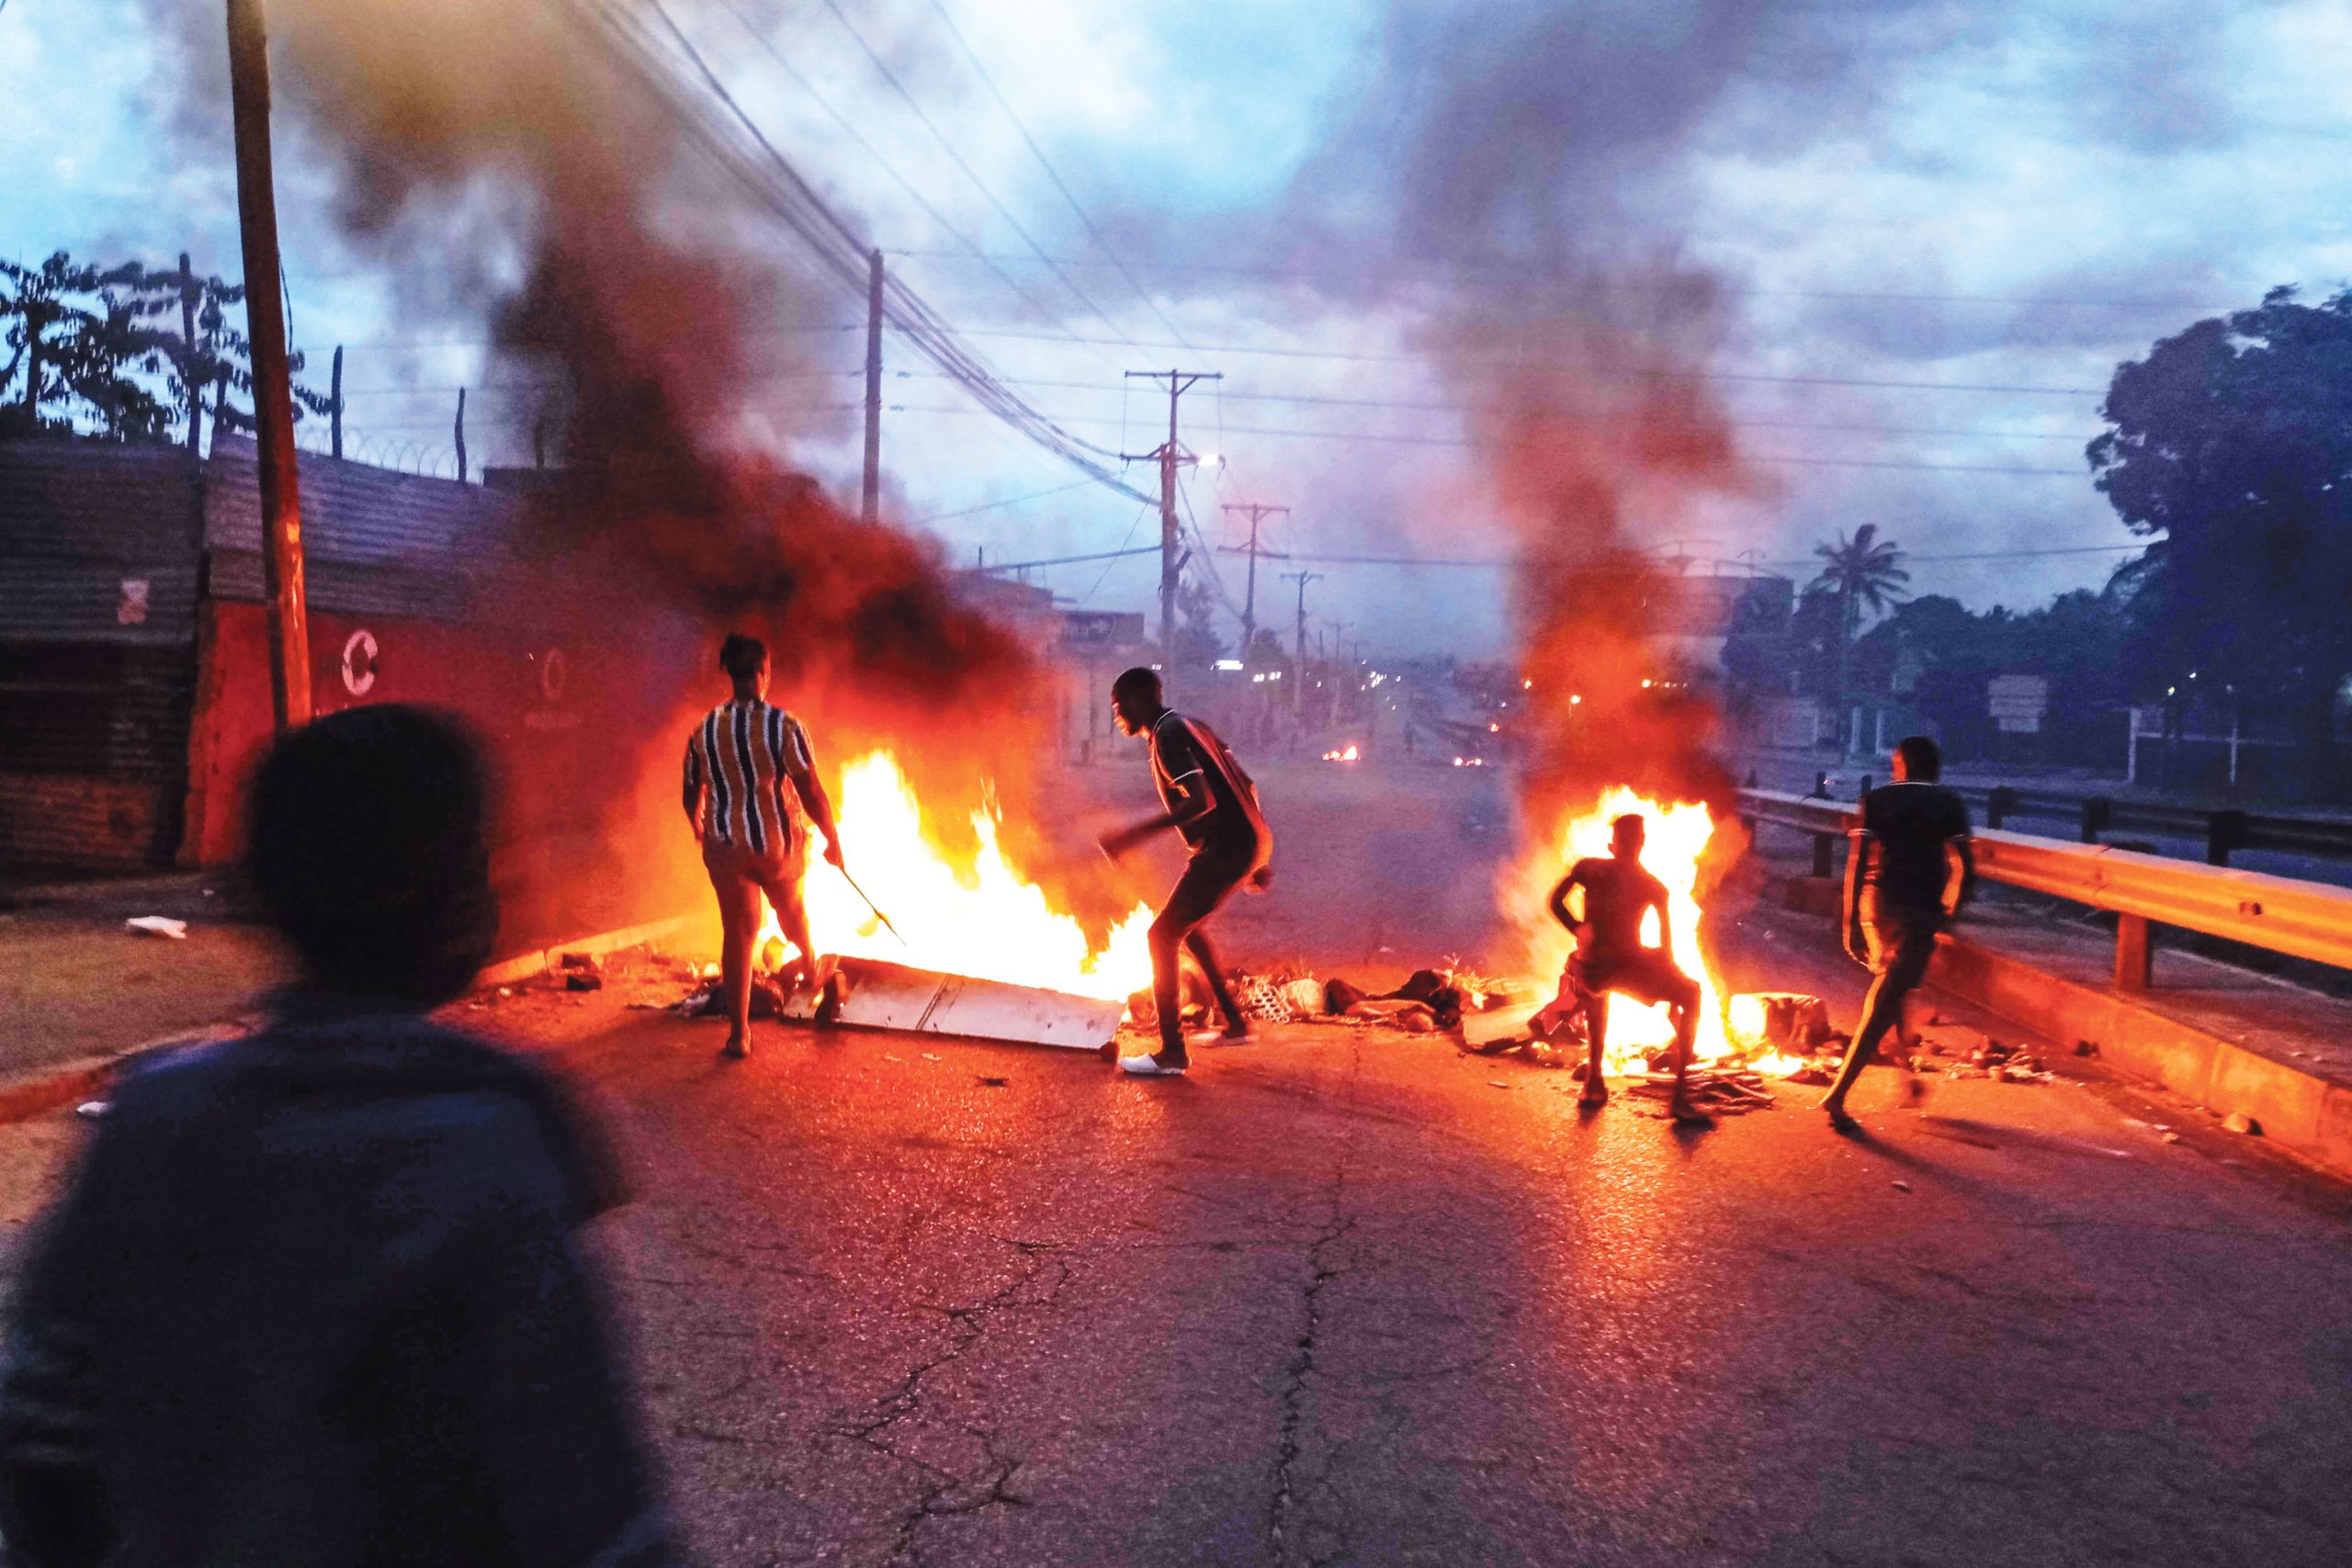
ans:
(2097, 812)
(1824, 847)
(2224, 832)
(1999, 805)
(2132, 954)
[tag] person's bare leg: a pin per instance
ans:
(1686, 1032)
(1197, 942)
(1881, 1011)
(792, 919)
(1595, 1029)
(739, 922)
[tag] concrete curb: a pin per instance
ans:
(548, 960)
(2303, 1112)
(44, 1089)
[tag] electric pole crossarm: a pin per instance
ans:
(1257, 513)
(1168, 455)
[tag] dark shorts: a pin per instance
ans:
(1208, 881)
(1902, 940)
(1649, 975)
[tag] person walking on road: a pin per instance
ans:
(1213, 803)
(754, 830)
(1908, 869)
(319, 1296)
(1619, 893)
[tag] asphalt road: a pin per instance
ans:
(1339, 1299)
(1354, 1297)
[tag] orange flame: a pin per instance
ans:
(1678, 837)
(985, 920)
(1347, 756)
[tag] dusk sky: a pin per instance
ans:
(1937, 228)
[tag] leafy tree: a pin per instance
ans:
(2230, 446)
(1266, 649)
(41, 310)
(1197, 642)
(91, 342)
(1862, 573)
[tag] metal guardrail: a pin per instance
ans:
(2279, 914)
(2223, 829)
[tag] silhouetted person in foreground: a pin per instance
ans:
(1908, 869)
(1213, 803)
(1609, 956)
(317, 1296)
(739, 760)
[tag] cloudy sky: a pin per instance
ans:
(1935, 229)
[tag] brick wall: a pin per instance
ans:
(85, 821)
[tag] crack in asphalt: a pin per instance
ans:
(947, 1494)
(1302, 1364)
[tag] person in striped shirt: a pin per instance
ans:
(754, 830)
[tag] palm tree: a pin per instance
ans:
(1864, 573)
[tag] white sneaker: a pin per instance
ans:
(1152, 1067)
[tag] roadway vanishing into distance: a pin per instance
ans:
(1350, 1296)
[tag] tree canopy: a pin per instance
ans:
(105, 351)
(2231, 445)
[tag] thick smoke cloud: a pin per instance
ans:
(502, 143)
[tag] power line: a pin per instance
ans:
(1119, 554)
(969, 172)
(842, 251)
(850, 129)
(1633, 286)
(993, 505)
(1595, 372)
(1791, 460)
(1503, 562)
(1052, 174)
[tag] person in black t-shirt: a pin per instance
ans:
(1609, 956)
(1907, 874)
(1211, 803)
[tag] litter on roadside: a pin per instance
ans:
(158, 925)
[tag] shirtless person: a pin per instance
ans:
(1609, 956)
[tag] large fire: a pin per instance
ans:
(1679, 835)
(984, 920)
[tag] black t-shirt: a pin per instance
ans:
(1911, 823)
(1186, 749)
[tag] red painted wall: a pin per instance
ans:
(522, 690)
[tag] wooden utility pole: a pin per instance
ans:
(281, 506)
(871, 508)
(334, 403)
(1298, 672)
(1168, 455)
(1258, 515)
(187, 378)
(461, 436)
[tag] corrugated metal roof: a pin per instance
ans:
(375, 541)
(84, 525)
(99, 541)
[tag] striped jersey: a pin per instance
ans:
(745, 761)
(1185, 748)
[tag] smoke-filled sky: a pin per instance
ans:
(1896, 205)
